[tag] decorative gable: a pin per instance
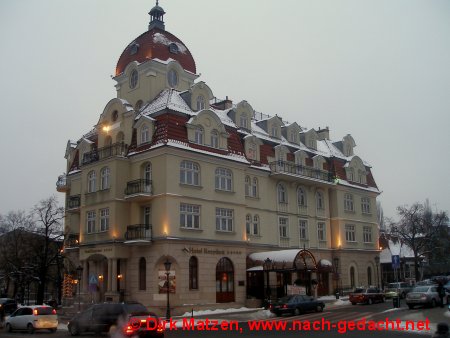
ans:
(309, 138)
(200, 96)
(243, 114)
(145, 128)
(292, 132)
(207, 129)
(252, 147)
(356, 171)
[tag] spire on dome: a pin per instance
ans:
(156, 17)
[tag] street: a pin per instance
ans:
(342, 321)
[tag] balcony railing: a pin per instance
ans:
(74, 202)
(139, 232)
(72, 241)
(62, 184)
(140, 186)
(300, 170)
(116, 149)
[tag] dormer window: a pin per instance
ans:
(145, 134)
(200, 102)
(173, 48)
(134, 77)
(243, 121)
(252, 151)
(198, 135)
(214, 139)
(274, 131)
(293, 138)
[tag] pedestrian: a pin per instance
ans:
(441, 293)
(442, 331)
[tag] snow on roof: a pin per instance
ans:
(224, 118)
(162, 39)
(168, 98)
(275, 256)
(348, 184)
(127, 105)
(395, 248)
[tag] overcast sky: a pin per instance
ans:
(378, 70)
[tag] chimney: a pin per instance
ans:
(324, 134)
(224, 104)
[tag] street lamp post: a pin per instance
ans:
(167, 265)
(336, 271)
(377, 263)
(267, 264)
(79, 275)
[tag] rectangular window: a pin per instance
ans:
(367, 234)
(224, 219)
(283, 223)
(223, 179)
(365, 205)
(321, 231)
(189, 173)
(348, 202)
(189, 216)
(90, 222)
(350, 233)
(303, 229)
(104, 219)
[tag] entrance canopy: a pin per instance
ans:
(293, 259)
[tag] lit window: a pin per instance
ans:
(104, 219)
(198, 135)
(214, 139)
(104, 178)
(200, 102)
(145, 134)
(348, 202)
(350, 235)
(321, 231)
(134, 79)
(189, 173)
(91, 182)
(367, 234)
(303, 229)
(224, 219)
(189, 216)
(223, 179)
(365, 205)
(90, 222)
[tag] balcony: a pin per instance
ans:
(74, 203)
(62, 184)
(139, 189)
(116, 149)
(138, 232)
(72, 241)
(298, 171)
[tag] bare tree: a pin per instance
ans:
(419, 228)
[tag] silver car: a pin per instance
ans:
(424, 295)
(32, 318)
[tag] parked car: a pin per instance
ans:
(400, 289)
(424, 295)
(132, 318)
(32, 318)
(447, 287)
(296, 304)
(366, 296)
(9, 305)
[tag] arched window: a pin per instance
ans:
(148, 177)
(200, 102)
(252, 151)
(224, 281)
(282, 194)
(189, 173)
(145, 134)
(301, 197)
(104, 178)
(91, 181)
(319, 201)
(248, 224)
(142, 274)
(199, 135)
(254, 191)
(193, 273)
(369, 276)
(352, 277)
(248, 185)
(255, 230)
(243, 121)
(214, 139)
(224, 179)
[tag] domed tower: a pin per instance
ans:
(152, 62)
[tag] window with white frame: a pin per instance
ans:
(350, 235)
(243, 121)
(92, 181)
(319, 201)
(255, 229)
(348, 202)
(350, 175)
(145, 134)
(252, 151)
(248, 223)
(104, 219)
(362, 177)
(282, 194)
(321, 231)
(293, 136)
(365, 205)
(200, 102)
(367, 234)
(248, 185)
(224, 219)
(224, 179)
(254, 190)
(104, 178)
(283, 225)
(251, 186)
(189, 173)
(214, 139)
(303, 229)
(301, 197)
(189, 216)
(198, 135)
(90, 221)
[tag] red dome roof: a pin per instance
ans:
(156, 44)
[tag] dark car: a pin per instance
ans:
(366, 296)
(9, 305)
(296, 304)
(133, 319)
